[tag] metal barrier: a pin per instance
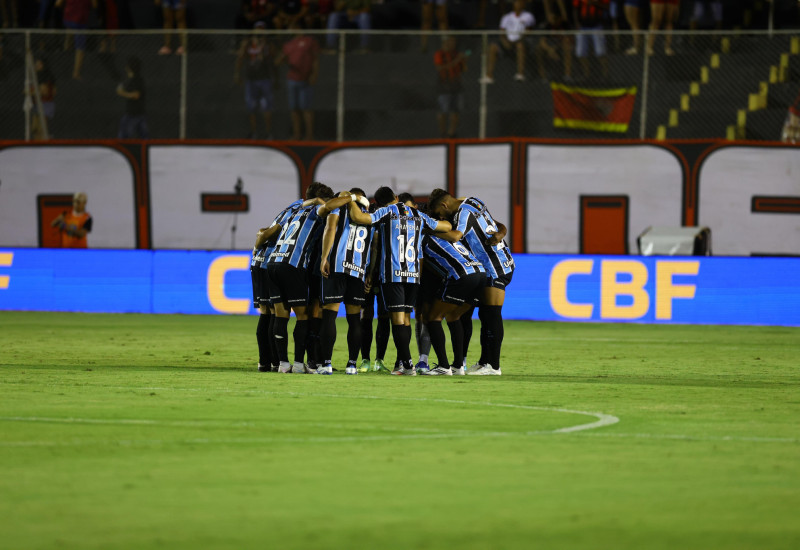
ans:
(381, 85)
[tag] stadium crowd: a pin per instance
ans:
(440, 259)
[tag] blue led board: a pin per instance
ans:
(686, 290)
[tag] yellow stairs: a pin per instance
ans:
(694, 91)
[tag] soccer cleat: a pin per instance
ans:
(459, 371)
(285, 367)
(440, 371)
(422, 367)
(264, 368)
(485, 370)
(364, 366)
(380, 366)
(351, 369)
(299, 368)
(474, 367)
(311, 369)
(403, 371)
(325, 369)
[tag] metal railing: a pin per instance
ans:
(718, 84)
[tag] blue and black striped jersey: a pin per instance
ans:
(450, 260)
(474, 220)
(351, 246)
(297, 238)
(400, 230)
(261, 255)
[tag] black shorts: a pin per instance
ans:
(288, 285)
(340, 288)
(260, 281)
(314, 286)
(502, 281)
(466, 290)
(399, 296)
(430, 286)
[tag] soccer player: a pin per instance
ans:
(462, 278)
(345, 255)
(399, 229)
(265, 244)
(287, 268)
(483, 236)
(420, 332)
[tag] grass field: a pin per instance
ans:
(133, 431)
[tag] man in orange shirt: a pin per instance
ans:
(74, 225)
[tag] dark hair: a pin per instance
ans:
(405, 197)
(358, 191)
(325, 192)
(134, 64)
(384, 196)
(311, 191)
(437, 196)
(423, 207)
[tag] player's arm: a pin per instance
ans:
(359, 217)
(372, 266)
(437, 226)
(266, 234)
(498, 236)
(452, 236)
(334, 204)
(327, 242)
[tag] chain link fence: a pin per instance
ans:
(384, 85)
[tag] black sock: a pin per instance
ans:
(486, 336)
(263, 338)
(272, 341)
(494, 319)
(353, 336)
(466, 326)
(312, 339)
(402, 339)
(423, 338)
(457, 341)
(366, 337)
(382, 337)
(438, 342)
(327, 333)
(299, 334)
(409, 334)
(280, 335)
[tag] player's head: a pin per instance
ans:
(324, 192)
(358, 191)
(360, 197)
(385, 196)
(79, 202)
(407, 199)
(440, 204)
(312, 190)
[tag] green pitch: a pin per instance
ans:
(132, 431)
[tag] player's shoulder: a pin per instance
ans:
(473, 203)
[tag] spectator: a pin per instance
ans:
(289, 11)
(427, 19)
(109, 15)
(512, 44)
(317, 12)
(301, 53)
(699, 15)
(791, 128)
(556, 47)
(253, 11)
(258, 53)
(589, 17)
(74, 225)
(633, 14)
(76, 17)
(12, 21)
(174, 14)
(662, 13)
(450, 64)
(134, 121)
(47, 95)
(350, 14)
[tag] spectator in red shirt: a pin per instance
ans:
(76, 17)
(589, 16)
(301, 53)
(450, 64)
(791, 128)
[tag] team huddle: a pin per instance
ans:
(440, 260)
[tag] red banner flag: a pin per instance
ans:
(602, 110)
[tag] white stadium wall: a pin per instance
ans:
(148, 195)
